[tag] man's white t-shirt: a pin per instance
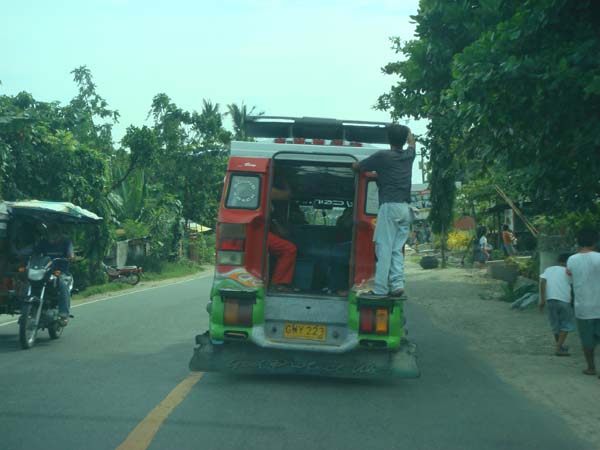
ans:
(558, 286)
(584, 269)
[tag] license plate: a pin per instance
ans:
(305, 331)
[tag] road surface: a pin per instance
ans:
(118, 378)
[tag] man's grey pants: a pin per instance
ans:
(391, 232)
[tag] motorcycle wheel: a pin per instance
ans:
(55, 330)
(133, 278)
(27, 326)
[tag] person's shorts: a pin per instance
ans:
(560, 315)
(589, 332)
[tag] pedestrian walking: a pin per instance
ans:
(555, 293)
(584, 269)
(508, 238)
(394, 180)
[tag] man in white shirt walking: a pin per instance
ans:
(555, 293)
(584, 269)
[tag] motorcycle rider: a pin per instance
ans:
(58, 246)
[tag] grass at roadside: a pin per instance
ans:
(167, 270)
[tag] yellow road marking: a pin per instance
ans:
(143, 434)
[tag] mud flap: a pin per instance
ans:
(246, 358)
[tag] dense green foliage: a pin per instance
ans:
(158, 177)
(512, 93)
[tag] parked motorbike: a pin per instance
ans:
(126, 274)
(39, 307)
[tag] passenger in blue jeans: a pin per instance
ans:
(394, 178)
(58, 246)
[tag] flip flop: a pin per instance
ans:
(588, 372)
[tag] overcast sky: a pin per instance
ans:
(286, 57)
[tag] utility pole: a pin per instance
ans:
(422, 167)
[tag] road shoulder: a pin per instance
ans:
(517, 344)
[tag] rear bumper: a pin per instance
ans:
(246, 358)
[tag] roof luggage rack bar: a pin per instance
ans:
(317, 128)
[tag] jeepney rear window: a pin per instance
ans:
(372, 198)
(243, 192)
(322, 211)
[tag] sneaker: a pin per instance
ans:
(397, 293)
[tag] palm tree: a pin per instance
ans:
(238, 116)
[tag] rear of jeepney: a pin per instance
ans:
(307, 330)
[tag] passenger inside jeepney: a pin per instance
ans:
(283, 251)
(318, 220)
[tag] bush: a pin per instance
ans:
(148, 263)
(459, 240)
(87, 273)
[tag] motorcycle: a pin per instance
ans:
(39, 308)
(126, 274)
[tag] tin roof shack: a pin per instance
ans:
(126, 252)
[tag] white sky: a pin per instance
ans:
(290, 58)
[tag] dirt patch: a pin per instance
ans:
(518, 344)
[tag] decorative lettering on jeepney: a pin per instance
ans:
(241, 276)
(306, 366)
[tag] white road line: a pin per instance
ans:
(110, 297)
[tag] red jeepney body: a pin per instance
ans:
(256, 261)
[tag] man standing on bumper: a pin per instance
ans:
(394, 178)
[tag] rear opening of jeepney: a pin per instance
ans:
(291, 270)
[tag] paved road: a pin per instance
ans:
(121, 357)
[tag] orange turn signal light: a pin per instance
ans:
(22, 269)
(381, 320)
(57, 273)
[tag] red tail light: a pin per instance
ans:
(366, 320)
(318, 141)
(299, 140)
(356, 144)
(232, 244)
(279, 140)
(337, 142)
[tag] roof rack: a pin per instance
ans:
(317, 128)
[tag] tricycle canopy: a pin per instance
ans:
(48, 211)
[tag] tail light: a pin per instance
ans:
(237, 313)
(318, 141)
(355, 144)
(57, 273)
(299, 140)
(231, 245)
(337, 142)
(22, 269)
(279, 140)
(374, 320)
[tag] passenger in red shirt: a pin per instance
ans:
(284, 250)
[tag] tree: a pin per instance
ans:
(527, 93)
(509, 87)
(238, 114)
